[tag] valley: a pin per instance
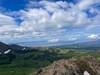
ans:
(29, 61)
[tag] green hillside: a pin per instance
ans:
(27, 62)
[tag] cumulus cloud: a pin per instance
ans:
(93, 36)
(50, 20)
(59, 14)
(7, 24)
(84, 4)
(54, 40)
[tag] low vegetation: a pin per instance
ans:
(27, 62)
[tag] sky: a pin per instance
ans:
(49, 21)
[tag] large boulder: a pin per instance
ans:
(74, 66)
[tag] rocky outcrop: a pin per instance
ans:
(74, 66)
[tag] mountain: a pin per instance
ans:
(16, 47)
(4, 47)
(92, 44)
(65, 44)
(8, 52)
(75, 66)
(88, 44)
(9, 48)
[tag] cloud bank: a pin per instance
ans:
(51, 22)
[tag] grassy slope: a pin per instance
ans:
(26, 63)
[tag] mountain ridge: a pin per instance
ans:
(73, 66)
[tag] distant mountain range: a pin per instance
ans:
(87, 44)
(93, 44)
(9, 48)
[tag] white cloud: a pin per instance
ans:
(54, 40)
(73, 39)
(50, 6)
(6, 20)
(84, 4)
(93, 36)
(40, 18)
(7, 26)
(50, 17)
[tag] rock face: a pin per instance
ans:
(75, 66)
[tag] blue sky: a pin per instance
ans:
(49, 21)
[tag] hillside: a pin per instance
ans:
(3, 47)
(24, 61)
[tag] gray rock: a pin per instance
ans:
(74, 66)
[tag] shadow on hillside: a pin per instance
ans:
(34, 58)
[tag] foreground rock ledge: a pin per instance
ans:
(73, 66)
